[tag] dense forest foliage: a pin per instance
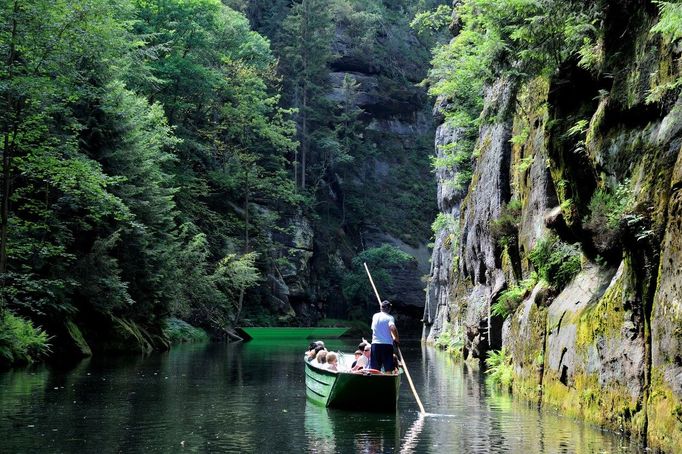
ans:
(153, 149)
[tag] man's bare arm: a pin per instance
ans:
(394, 333)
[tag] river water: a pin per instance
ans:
(251, 398)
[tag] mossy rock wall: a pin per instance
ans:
(531, 181)
(608, 347)
(595, 355)
(525, 341)
(665, 398)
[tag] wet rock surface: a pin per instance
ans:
(607, 347)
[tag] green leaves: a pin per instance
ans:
(101, 177)
(500, 371)
(510, 299)
(356, 286)
(556, 262)
(669, 26)
(20, 341)
(238, 272)
(670, 21)
(434, 20)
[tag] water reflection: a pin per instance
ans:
(476, 418)
(411, 438)
(251, 398)
(329, 431)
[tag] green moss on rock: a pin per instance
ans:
(609, 406)
(527, 347)
(665, 415)
(603, 319)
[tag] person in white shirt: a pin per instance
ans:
(363, 361)
(384, 335)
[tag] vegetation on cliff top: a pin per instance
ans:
(517, 38)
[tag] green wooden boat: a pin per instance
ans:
(352, 391)
(288, 332)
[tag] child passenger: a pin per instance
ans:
(321, 357)
(332, 361)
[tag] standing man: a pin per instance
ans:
(384, 334)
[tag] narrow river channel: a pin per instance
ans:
(251, 398)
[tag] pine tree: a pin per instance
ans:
(308, 31)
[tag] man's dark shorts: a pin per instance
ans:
(382, 355)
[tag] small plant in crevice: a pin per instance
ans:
(669, 26)
(451, 340)
(524, 164)
(446, 222)
(505, 229)
(500, 371)
(607, 209)
(556, 262)
(510, 299)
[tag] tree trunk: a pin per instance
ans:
(4, 217)
(240, 302)
(7, 148)
(304, 133)
(304, 110)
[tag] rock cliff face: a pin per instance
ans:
(397, 124)
(608, 346)
(383, 198)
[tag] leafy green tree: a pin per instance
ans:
(132, 140)
(218, 87)
(356, 286)
(50, 191)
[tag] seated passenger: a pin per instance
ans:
(396, 364)
(332, 361)
(312, 353)
(358, 354)
(363, 361)
(321, 357)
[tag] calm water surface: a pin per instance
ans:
(251, 398)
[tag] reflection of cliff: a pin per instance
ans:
(606, 346)
(469, 416)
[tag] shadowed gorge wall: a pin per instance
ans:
(374, 188)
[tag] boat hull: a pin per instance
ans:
(351, 391)
(261, 333)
